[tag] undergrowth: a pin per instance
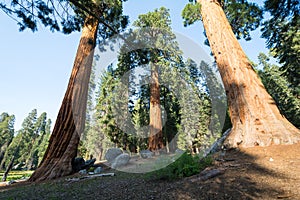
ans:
(184, 166)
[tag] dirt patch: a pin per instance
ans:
(253, 173)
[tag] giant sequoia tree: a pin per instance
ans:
(70, 121)
(99, 20)
(255, 117)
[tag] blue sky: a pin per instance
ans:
(35, 67)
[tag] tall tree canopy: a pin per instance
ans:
(283, 37)
(278, 87)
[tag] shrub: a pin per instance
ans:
(186, 165)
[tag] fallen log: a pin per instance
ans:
(208, 174)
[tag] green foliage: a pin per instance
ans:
(38, 12)
(67, 16)
(6, 127)
(283, 37)
(104, 108)
(191, 13)
(29, 144)
(6, 134)
(280, 89)
(157, 48)
(242, 15)
(184, 166)
(159, 18)
(44, 141)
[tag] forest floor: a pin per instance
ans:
(252, 173)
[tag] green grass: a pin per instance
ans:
(16, 174)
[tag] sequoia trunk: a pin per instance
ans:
(254, 115)
(155, 141)
(69, 125)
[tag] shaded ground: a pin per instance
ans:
(254, 173)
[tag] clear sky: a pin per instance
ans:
(35, 67)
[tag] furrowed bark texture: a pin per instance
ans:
(69, 124)
(155, 141)
(254, 115)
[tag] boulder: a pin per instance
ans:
(146, 154)
(112, 153)
(98, 170)
(83, 172)
(120, 160)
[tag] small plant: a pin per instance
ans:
(186, 165)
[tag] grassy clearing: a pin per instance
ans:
(16, 174)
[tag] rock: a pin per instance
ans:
(217, 145)
(112, 153)
(120, 160)
(162, 151)
(98, 170)
(146, 154)
(128, 152)
(78, 164)
(83, 172)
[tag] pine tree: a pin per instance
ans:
(140, 119)
(44, 141)
(39, 134)
(283, 37)
(280, 89)
(158, 50)
(6, 133)
(29, 136)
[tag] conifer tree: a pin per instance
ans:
(283, 38)
(280, 89)
(6, 133)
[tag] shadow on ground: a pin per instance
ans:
(247, 176)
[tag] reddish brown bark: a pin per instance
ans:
(69, 124)
(254, 115)
(155, 140)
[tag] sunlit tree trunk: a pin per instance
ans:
(155, 141)
(254, 115)
(70, 121)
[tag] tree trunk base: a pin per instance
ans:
(253, 136)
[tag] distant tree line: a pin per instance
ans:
(23, 149)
